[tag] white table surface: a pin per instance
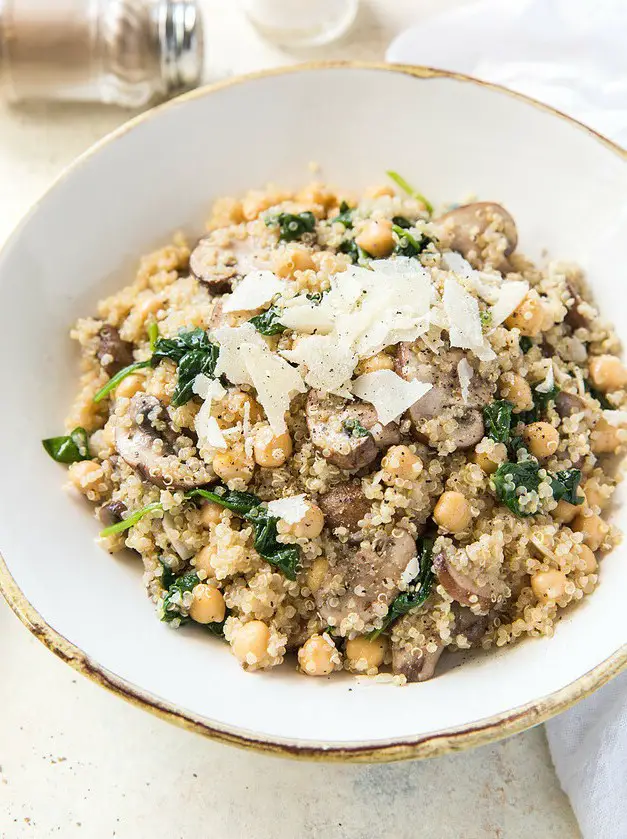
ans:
(76, 761)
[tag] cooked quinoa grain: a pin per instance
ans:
(352, 430)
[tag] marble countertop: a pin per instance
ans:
(78, 762)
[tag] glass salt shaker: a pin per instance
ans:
(301, 23)
(123, 52)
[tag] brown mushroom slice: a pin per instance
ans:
(460, 586)
(113, 353)
(332, 421)
(361, 580)
(445, 395)
(472, 627)
(417, 664)
(147, 446)
(344, 505)
(463, 228)
(218, 266)
(568, 403)
(574, 318)
(111, 513)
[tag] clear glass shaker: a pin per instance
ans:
(124, 52)
(301, 23)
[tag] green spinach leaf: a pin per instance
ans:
(194, 353)
(601, 398)
(408, 245)
(540, 403)
(406, 187)
(355, 429)
(565, 484)
(418, 591)
(114, 381)
(292, 226)
(498, 420)
(402, 222)
(525, 343)
(268, 322)
(509, 477)
(345, 216)
(121, 526)
(70, 448)
(352, 249)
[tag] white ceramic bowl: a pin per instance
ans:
(450, 136)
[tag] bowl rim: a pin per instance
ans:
(435, 744)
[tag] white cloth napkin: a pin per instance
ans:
(571, 54)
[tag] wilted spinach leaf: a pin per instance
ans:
(194, 353)
(565, 484)
(525, 343)
(70, 448)
(498, 420)
(418, 591)
(355, 429)
(268, 322)
(292, 226)
(509, 477)
(345, 216)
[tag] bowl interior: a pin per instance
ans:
(450, 137)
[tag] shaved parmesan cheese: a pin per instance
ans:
(245, 358)
(390, 395)
(615, 418)
(291, 510)
(455, 262)
(511, 295)
(549, 383)
(254, 291)
(464, 374)
(275, 381)
(462, 311)
(411, 571)
(205, 425)
(328, 361)
(307, 318)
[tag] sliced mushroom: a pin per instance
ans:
(218, 266)
(568, 403)
(460, 586)
(361, 580)
(417, 664)
(445, 398)
(112, 513)
(574, 318)
(484, 233)
(113, 353)
(472, 627)
(344, 505)
(331, 421)
(147, 445)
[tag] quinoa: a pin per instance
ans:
(482, 507)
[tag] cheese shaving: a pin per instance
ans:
(511, 296)
(462, 311)
(205, 425)
(464, 374)
(389, 393)
(549, 382)
(615, 418)
(254, 291)
(291, 509)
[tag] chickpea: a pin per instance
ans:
(380, 191)
(250, 644)
(528, 317)
(380, 361)
(377, 238)
(593, 528)
(401, 462)
(566, 512)
(293, 259)
(208, 605)
(311, 524)
(516, 390)
(364, 654)
(542, 439)
(85, 475)
(604, 438)
(130, 385)
(235, 402)
(317, 193)
(317, 573)
(233, 464)
(590, 564)
(549, 586)
(203, 561)
(271, 450)
(607, 373)
(452, 512)
(594, 494)
(316, 656)
(210, 514)
(491, 462)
